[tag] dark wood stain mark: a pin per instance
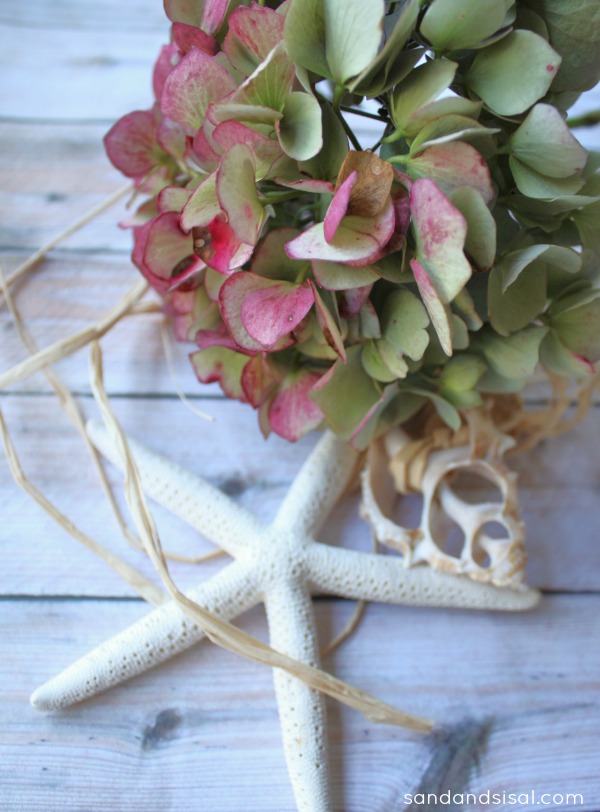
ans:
(163, 729)
(234, 486)
(457, 751)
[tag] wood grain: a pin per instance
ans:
(514, 714)
(517, 697)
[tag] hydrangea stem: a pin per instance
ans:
(590, 119)
(337, 108)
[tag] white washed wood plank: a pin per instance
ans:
(559, 487)
(71, 292)
(51, 176)
(71, 15)
(202, 731)
(66, 75)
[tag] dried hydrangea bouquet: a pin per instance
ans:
(397, 294)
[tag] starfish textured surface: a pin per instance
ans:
(281, 565)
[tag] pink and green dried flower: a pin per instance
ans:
(328, 284)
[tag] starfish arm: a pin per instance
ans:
(385, 579)
(159, 636)
(301, 710)
(318, 485)
(188, 496)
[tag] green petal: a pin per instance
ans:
(376, 77)
(578, 330)
(353, 34)
(514, 73)
(327, 163)
(452, 166)
(544, 143)
(448, 128)
(461, 373)
(347, 394)
(574, 28)
(304, 35)
(439, 313)
(374, 364)
(480, 242)
(299, 130)
(422, 86)
(223, 365)
(203, 206)
(450, 106)
(454, 24)
(515, 357)
(558, 360)
(270, 83)
(333, 276)
(392, 358)
(518, 306)
(588, 222)
(512, 265)
(445, 409)
(533, 184)
(236, 188)
(271, 261)
(404, 321)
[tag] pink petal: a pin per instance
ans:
(219, 247)
(167, 59)
(273, 310)
(213, 15)
(440, 232)
(215, 338)
(338, 207)
(140, 238)
(179, 305)
(265, 150)
(231, 298)
(168, 253)
(454, 165)
(352, 301)
(171, 138)
(131, 144)
(358, 240)
(292, 413)
(320, 187)
(188, 36)
(196, 82)
(258, 380)
(204, 150)
(252, 34)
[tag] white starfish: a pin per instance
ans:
(281, 565)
